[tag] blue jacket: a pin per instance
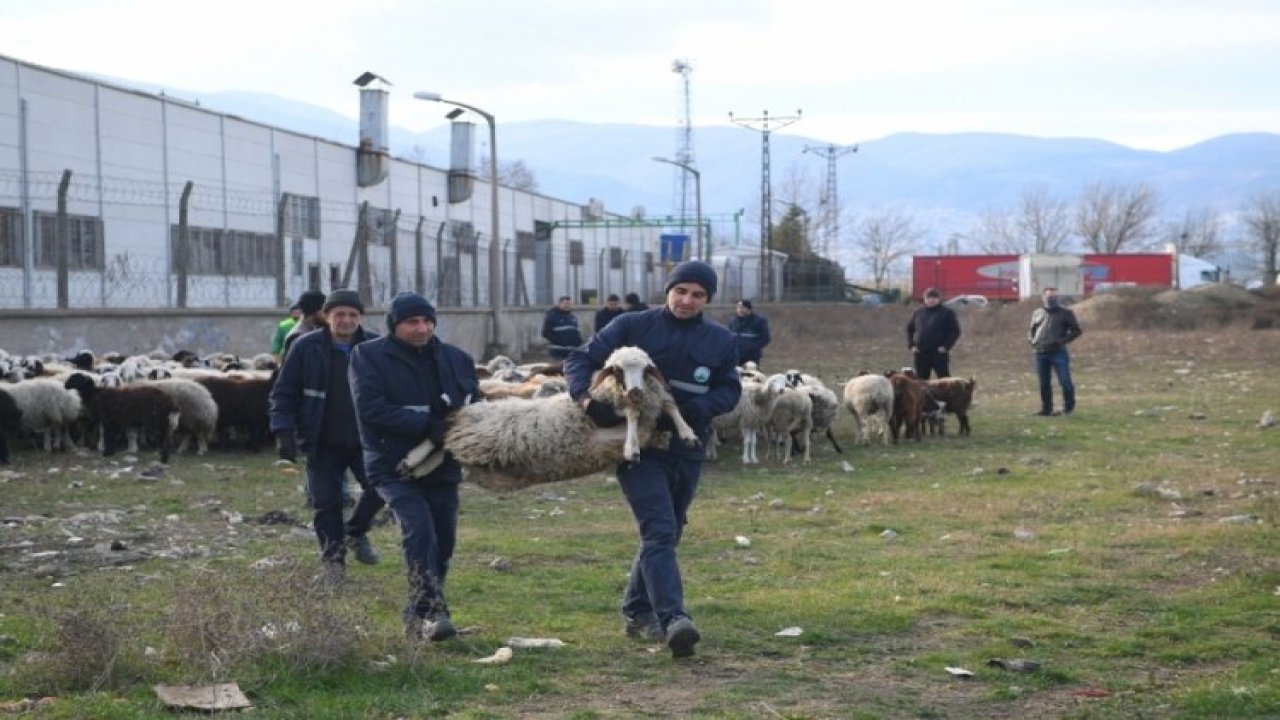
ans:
(752, 333)
(402, 395)
(560, 329)
(697, 357)
(299, 394)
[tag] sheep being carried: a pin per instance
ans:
(515, 443)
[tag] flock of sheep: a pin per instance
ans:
(153, 400)
(527, 431)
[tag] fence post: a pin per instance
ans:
(361, 226)
(419, 280)
(395, 255)
(183, 243)
(283, 247)
(63, 240)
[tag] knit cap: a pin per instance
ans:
(407, 305)
(343, 298)
(693, 271)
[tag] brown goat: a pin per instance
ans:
(908, 406)
(955, 395)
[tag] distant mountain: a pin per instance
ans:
(947, 181)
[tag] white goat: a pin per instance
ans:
(514, 443)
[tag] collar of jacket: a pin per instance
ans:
(409, 352)
(670, 318)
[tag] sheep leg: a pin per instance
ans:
(832, 437)
(685, 432)
(711, 453)
(748, 446)
(414, 457)
(132, 435)
(202, 443)
(631, 447)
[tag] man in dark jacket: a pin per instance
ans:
(311, 309)
(634, 303)
(699, 360)
(1053, 327)
(560, 329)
(312, 410)
(751, 331)
(612, 309)
(406, 384)
(931, 333)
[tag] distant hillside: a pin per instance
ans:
(947, 181)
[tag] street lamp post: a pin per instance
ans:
(703, 253)
(496, 275)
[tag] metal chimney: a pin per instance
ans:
(372, 155)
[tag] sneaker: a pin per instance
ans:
(644, 627)
(363, 549)
(682, 635)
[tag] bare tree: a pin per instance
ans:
(1038, 225)
(1198, 233)
(1262, 227)
(1111, 218)
(513, 174)
(882, 239)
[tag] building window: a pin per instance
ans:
(84, 241)
(575, 252)
(615, 258)
(10, 238)
(301, 216)
(524, 245)
(212, 251)
(382, 227)
(295, 248)
(464, 236)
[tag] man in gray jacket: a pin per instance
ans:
(1053, 327)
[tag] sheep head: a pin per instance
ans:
(629, 367)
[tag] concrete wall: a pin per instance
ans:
(245, 332)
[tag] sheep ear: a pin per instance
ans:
(653, 372)
(607, 372)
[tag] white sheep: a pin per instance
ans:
(513, 443)
(197, 411)
(791, 417)
(869, 398)
(750, 418)
(48, 408)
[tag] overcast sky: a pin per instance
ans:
(1155, 74)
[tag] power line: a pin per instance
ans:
(830, 199)
(684, 142)
(766, 125)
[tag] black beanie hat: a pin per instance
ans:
(343, 298)
(310, 302)
(693, 271)
(407, 305)
(746, 304)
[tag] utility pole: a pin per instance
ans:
(830, 199)
(766, 125)
(684, 143)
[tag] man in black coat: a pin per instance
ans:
(560, 329)
(312, 410)
(406, 384)
(612, 309)
(931, 333)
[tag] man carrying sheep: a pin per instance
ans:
(312, 410)
(699, 360)
(406, 384)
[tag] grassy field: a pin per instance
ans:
(1130, 550)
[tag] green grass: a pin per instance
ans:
(1031, 528)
